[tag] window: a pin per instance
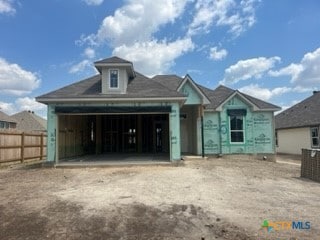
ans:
(114, 79)
(236, 129)
(5, 125)
(315, 137)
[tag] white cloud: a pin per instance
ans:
(301, 89)
(250, 68)
(264, 93)
(89, 53)
(7, 108)
(130, 32)
(25, 103)
(237, 16)
(154, 57)
(136, 22)
(6, 7)
(291, 70)
(286, 106)
(306, 73)
(81, 66)
(14, 80)
(93, 2)
(216, 54)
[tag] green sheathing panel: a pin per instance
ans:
(211, 133)
(192, 95)
(175, 151)
(51, 131)
(258, 130)
(263, 132)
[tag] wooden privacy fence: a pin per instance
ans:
(21, 146)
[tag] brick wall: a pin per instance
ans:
(310, 164)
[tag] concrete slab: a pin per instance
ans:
(112, 160)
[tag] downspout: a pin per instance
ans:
(202, 131)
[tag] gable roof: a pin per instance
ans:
(222, 93)
(186, 79)
(29, 121)
(141, 87)
(217, 96)
(304, 114)
(113, 60)
(6, 118)
(90, 89)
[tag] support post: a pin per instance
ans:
(22, 147)
(202, 137)
(41, 147)
(98, 149)
(202, 132)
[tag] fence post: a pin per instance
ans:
(22, 147)
(41, 147)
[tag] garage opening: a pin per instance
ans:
(113, 134)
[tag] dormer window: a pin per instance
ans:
(114, 78)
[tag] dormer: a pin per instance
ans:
(115, 75)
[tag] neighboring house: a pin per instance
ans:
(122, 111)
(7, 122)
(298, 126)
(28, 121)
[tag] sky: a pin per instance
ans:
(267, 49)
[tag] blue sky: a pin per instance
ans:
(267, 49)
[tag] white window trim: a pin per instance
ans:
(314, 146)
(244, 132)
(113, 69)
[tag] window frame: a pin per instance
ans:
(110, 71)
(243, 129)
(316, 137)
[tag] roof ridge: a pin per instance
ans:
(257, 99)
(297, 104)
(302, 114)
(6, 117)
(113, 58)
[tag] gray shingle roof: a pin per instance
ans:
(261, 104)
(29, 121)
(160, 86)
(217, 96)
(139, 87)
(113, 60)
(170, 81)
(6, 118)
(304, 114)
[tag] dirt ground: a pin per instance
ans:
(202, 199)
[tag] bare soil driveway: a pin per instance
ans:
(203, 199)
